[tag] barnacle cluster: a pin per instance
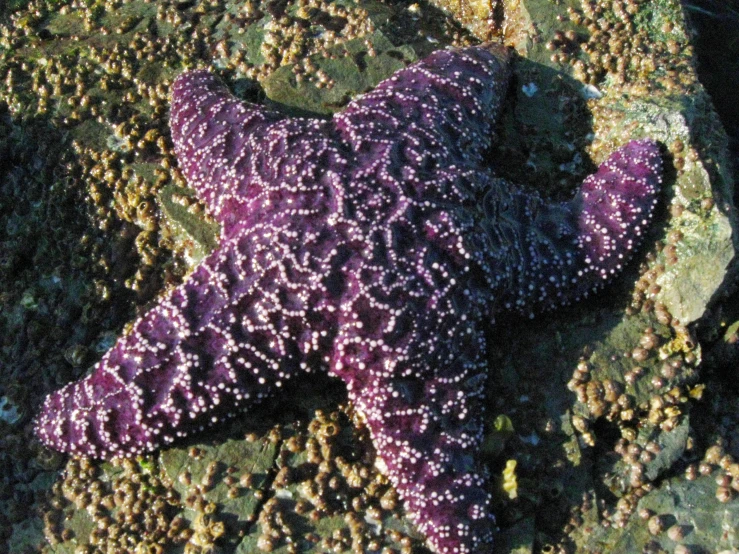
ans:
(134, 509)
(611, 40)
(322, 478)
(319, 479)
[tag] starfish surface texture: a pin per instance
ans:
(375, 246)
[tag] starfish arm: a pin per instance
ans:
(435, 112)
(213, 133)
(427, 426)
(227, 150)
(549, 255)
(411, 351)
(225, 339)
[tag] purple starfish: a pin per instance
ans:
(374, 246)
